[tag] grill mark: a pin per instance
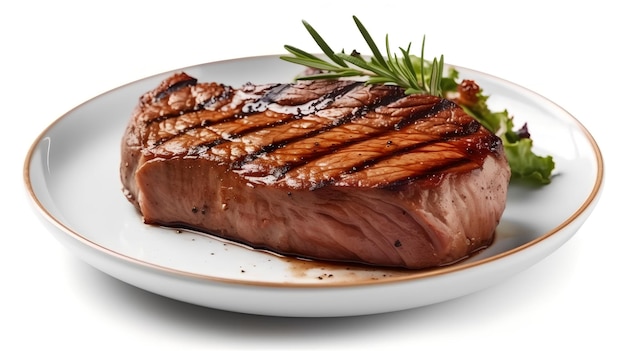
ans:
(432, 171)
(267, 98)
(272, 97)
(203, 124)
(250, 108)
(400, 151)
(205, 147)
(316, 105)
(441, 105)
(226, 94)
(174, 87)
(358, 113)
(367, 163)
(289, 166)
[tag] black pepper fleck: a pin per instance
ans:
(397, 243)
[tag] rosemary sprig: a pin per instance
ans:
(411, 72)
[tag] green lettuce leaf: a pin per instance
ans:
(526, 166)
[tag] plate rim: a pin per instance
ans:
(590, 200)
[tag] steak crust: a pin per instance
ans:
(329, 170)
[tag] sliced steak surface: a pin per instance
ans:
(329, 170)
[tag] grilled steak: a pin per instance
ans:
(329, 170)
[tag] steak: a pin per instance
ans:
(330, 170)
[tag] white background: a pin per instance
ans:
(57, 54)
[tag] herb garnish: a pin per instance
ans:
(411, 72)
(420, 76)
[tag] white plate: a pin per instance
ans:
(71, 174)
